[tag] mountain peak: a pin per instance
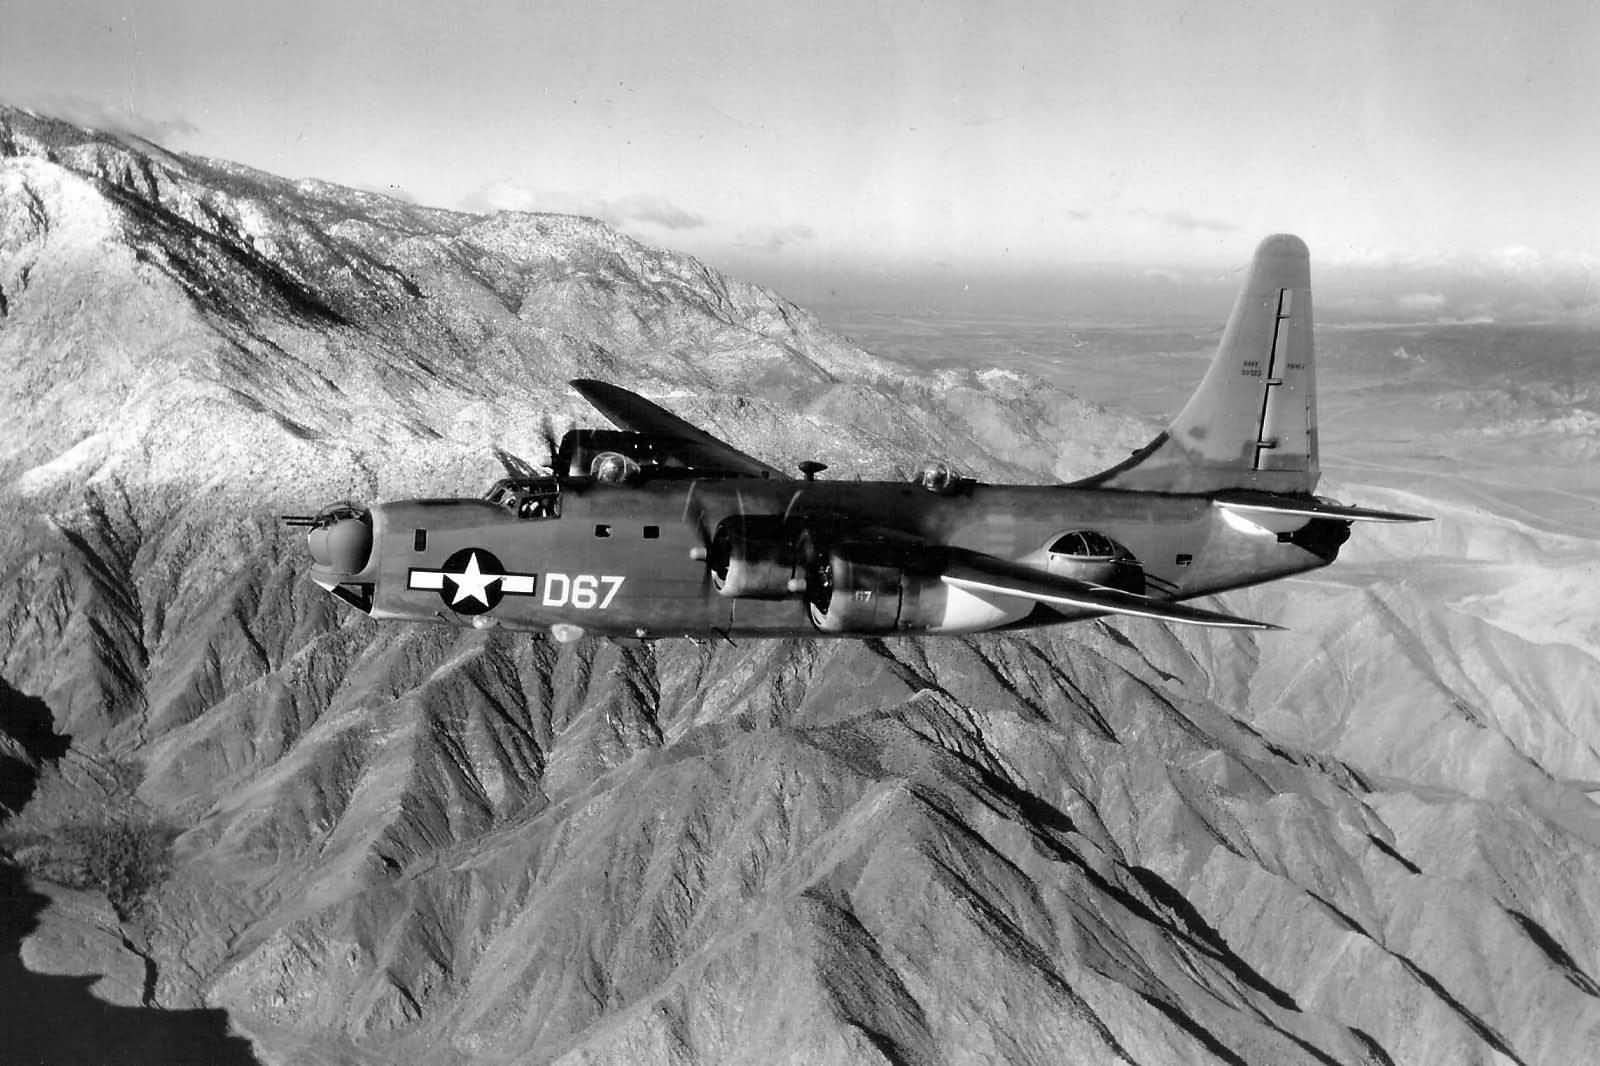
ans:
(319, 327)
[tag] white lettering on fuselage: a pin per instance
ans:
(586, 592)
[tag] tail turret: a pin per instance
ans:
(1252, 423)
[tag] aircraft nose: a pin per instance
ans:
(341, 541)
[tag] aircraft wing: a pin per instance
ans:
(985, 573)
(632, 412)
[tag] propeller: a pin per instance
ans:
(552, 444)
(515, 465)
(712, 549)
(694, 513)
(518, 467)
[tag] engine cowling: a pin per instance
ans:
(854, 588)
(882, 588)
(749, 556)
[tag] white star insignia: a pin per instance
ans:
(473, 583)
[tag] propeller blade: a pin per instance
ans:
(552, 444)
(515, 465)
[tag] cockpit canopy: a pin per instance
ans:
(527, 497)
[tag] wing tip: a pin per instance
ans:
(1219, 620)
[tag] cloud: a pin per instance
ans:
(102, 116)
(775, 238)
(1185, 222)
(1517, 259)
(651, 211)
(638, 209)
(502, 196)
(1422, 301)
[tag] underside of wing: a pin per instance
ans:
(984, 573)
(630, 411)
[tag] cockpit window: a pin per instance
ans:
(1069, 544)
(528, 497)
(547, 505)
(1098, 543)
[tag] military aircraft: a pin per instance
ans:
(658, 529)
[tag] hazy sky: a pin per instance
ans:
(811, 131)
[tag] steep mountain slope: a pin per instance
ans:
(1363, 842)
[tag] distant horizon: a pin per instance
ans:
(1104, 294)
(841, 137)
(1515, 285)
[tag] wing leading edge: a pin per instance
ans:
(985, 573)
(632, 412)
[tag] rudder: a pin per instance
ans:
(1252, 423)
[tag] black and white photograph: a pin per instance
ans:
(707, 533)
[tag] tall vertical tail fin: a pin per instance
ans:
(1252, 423)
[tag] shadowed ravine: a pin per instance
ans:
(58, 1021)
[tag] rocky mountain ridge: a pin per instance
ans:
(1365, 841)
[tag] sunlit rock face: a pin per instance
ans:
(1365, 841)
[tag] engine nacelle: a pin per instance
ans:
(854, 588)
(749, 556)
(878, 588)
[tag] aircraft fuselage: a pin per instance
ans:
(657, 528)
(631, 559)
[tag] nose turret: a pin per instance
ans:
(340, 542)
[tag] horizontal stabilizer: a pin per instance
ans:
(985, 573)
(1310, 506)
(632, 412)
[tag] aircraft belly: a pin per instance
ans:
(754, 617)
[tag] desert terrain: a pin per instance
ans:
(1369, 839)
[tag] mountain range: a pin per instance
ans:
(1368, 840)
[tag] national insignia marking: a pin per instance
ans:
(472, 581)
